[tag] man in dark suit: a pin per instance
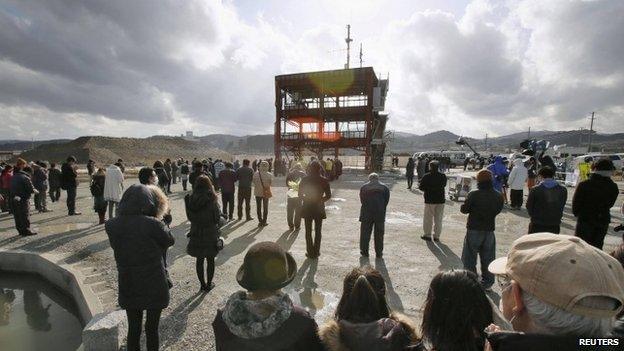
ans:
(374, 197)
(69, 178)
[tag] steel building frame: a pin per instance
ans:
(330, 110)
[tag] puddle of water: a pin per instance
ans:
(332, 208)
(321, 304)
(61, 228)
(34, 315)
(402, 218)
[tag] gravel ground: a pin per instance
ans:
(408, 264)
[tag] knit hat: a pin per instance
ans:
(484, 176)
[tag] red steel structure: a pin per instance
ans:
(331, 110)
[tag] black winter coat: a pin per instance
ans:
(69, 176)
(594, 198)
(433, 184)
(545, 205)
(204, 214)
(21, 185)
(374, 197)
(54, 178)
(163, 178)
(482, 207)
(140, 243)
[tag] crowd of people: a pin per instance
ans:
(542, 309)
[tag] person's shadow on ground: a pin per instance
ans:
(287, 239)
(448, 259)
(174, 325)
(394, 301)
(237, 246)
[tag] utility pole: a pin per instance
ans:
(529, 133)
(361, 55)
(348, 40)
(591, 131)
(486, 141)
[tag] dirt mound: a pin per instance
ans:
(133, 151)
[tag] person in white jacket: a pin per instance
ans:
(113, 188)
(517, 178)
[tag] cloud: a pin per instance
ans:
(135, 67)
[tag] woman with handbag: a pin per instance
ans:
(140, 240)
(202, 210)
(262, 180)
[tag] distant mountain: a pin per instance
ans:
(262, 143)
(146, 150)
(440, 140)
(105, 150)
(21, 145)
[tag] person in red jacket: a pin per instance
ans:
(5, 185)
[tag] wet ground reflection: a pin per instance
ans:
(34, 315)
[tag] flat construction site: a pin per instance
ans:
(408, 264)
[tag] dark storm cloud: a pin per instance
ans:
(121, 59)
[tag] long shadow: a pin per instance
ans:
(308, 295)
(298, 281)
(53, 241)
(448, 259)
(237, 246)
(10, 240)
(287, 239)
(175, 323)
(87, 251)
(393, 298)
(230, 227)
(46, 220)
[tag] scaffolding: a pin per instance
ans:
(331, 110)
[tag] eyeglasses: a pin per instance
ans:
(504, 281)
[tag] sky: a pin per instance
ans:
(138, 68)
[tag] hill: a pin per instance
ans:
(132, 150)
(20, 145)
(408, 143)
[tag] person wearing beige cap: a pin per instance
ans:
(556, 289)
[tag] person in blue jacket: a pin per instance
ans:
(499, 171)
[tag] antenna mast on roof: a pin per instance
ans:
(348, 40)
(361, 55)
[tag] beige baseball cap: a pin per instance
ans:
(561, 270)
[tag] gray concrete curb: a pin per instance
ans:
(102, 331)
(62, 276)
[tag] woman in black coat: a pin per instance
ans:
(409, 172)
(140, 239)
(202, 210)
(314, 191)
(163, 178)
